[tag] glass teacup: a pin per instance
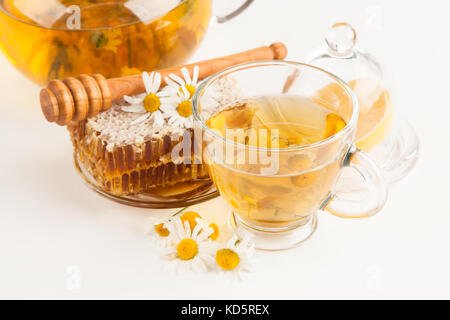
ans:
(275, 191)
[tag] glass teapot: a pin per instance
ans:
(390, 141)
(54, 39)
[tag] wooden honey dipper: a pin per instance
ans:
(75, 99)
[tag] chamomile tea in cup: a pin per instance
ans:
(275, 151)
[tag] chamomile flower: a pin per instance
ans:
(178, 110)
(158, 232)
(194, 218)
(175, 83)
(191, 217)
(107, 40)
(149, 103)
(236, 257)
(206, 224)
(189, 250)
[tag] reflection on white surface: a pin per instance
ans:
(148, 11)
(44, 12)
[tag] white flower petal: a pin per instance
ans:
(207, 258)
(169, 226)
(134, 108)
(176, 119)
(174, 238)
(187, 229)
(195, 75)
(151, 82)
(184, 94)
(147, 81)
(205, 234)
(230, 244)
(179, 228)
(170, 84)
(198, 264)
(169, 115)
(132, 100)
(171, 101)
(189, 122)
(187, 77)
(157, 119)
(177, 79)
(170, 253)
(165, 108)
(160, 120)
(156, 82)
(184, 267)
(182, 123)
(168, 92)
(196, 230)
(246, 267)
(179, 267)
(141, 119)
(173, 119)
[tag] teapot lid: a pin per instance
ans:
(342, 57)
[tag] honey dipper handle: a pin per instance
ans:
(133, 84)
(77, 99)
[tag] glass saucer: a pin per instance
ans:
(398, 153)
(191, 193)
(274, 240)
(396, 156)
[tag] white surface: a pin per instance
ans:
(49, 221)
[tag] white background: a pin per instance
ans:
(51, 225)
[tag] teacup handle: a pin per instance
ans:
(376, 194)
(235, 13)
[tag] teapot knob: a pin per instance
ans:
(341, 39)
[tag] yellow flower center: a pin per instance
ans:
(190, 216)
(190, 88)
(227, 259)
(161, 230)
(187, 249)
(216, 232)
(151, 102)
(185, 108)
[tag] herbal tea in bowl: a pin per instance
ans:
(275, 154)
(54, 39)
